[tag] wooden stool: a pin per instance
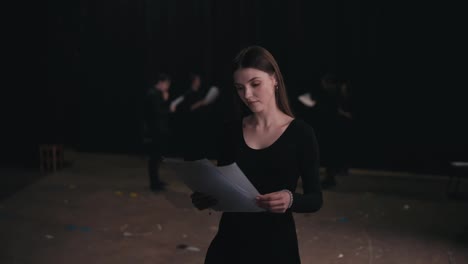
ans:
(50, 157)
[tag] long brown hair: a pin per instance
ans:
(259, 58)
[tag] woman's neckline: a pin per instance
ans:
(272, 144)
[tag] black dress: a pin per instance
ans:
(268, 237)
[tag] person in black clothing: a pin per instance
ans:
(333, 119)
(209, 119)
(192, 118)
(187, 101)
(326, 112)
(345, 125)
(274, 150)
(156, 117)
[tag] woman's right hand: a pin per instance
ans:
(202, 201)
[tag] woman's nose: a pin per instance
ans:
(247, 93)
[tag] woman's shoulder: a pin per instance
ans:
(302, 128)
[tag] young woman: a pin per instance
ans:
(273, 149)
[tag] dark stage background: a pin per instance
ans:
(101, 55)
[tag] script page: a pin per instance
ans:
(227, 184)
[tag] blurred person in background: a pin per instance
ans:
(157, 131)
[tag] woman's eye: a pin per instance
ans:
(255, 84)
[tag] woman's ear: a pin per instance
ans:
(274, 79)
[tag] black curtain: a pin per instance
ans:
(102, 56)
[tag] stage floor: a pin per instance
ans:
(100, 210)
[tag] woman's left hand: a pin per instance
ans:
(275, 202)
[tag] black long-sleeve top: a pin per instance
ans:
(294, 154)
(267, 237)
(156, 113)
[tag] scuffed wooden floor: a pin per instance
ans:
(100, 210)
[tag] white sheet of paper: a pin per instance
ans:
(307, 100)
(228, 184)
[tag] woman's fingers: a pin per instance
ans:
(276, 202)
(270, 196)
(270, 204)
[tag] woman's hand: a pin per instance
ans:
(202, 201)
(276, 202)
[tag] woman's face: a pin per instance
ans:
(255, 88)
(163, 86)
(196, 82)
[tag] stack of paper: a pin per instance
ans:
(228, 184)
